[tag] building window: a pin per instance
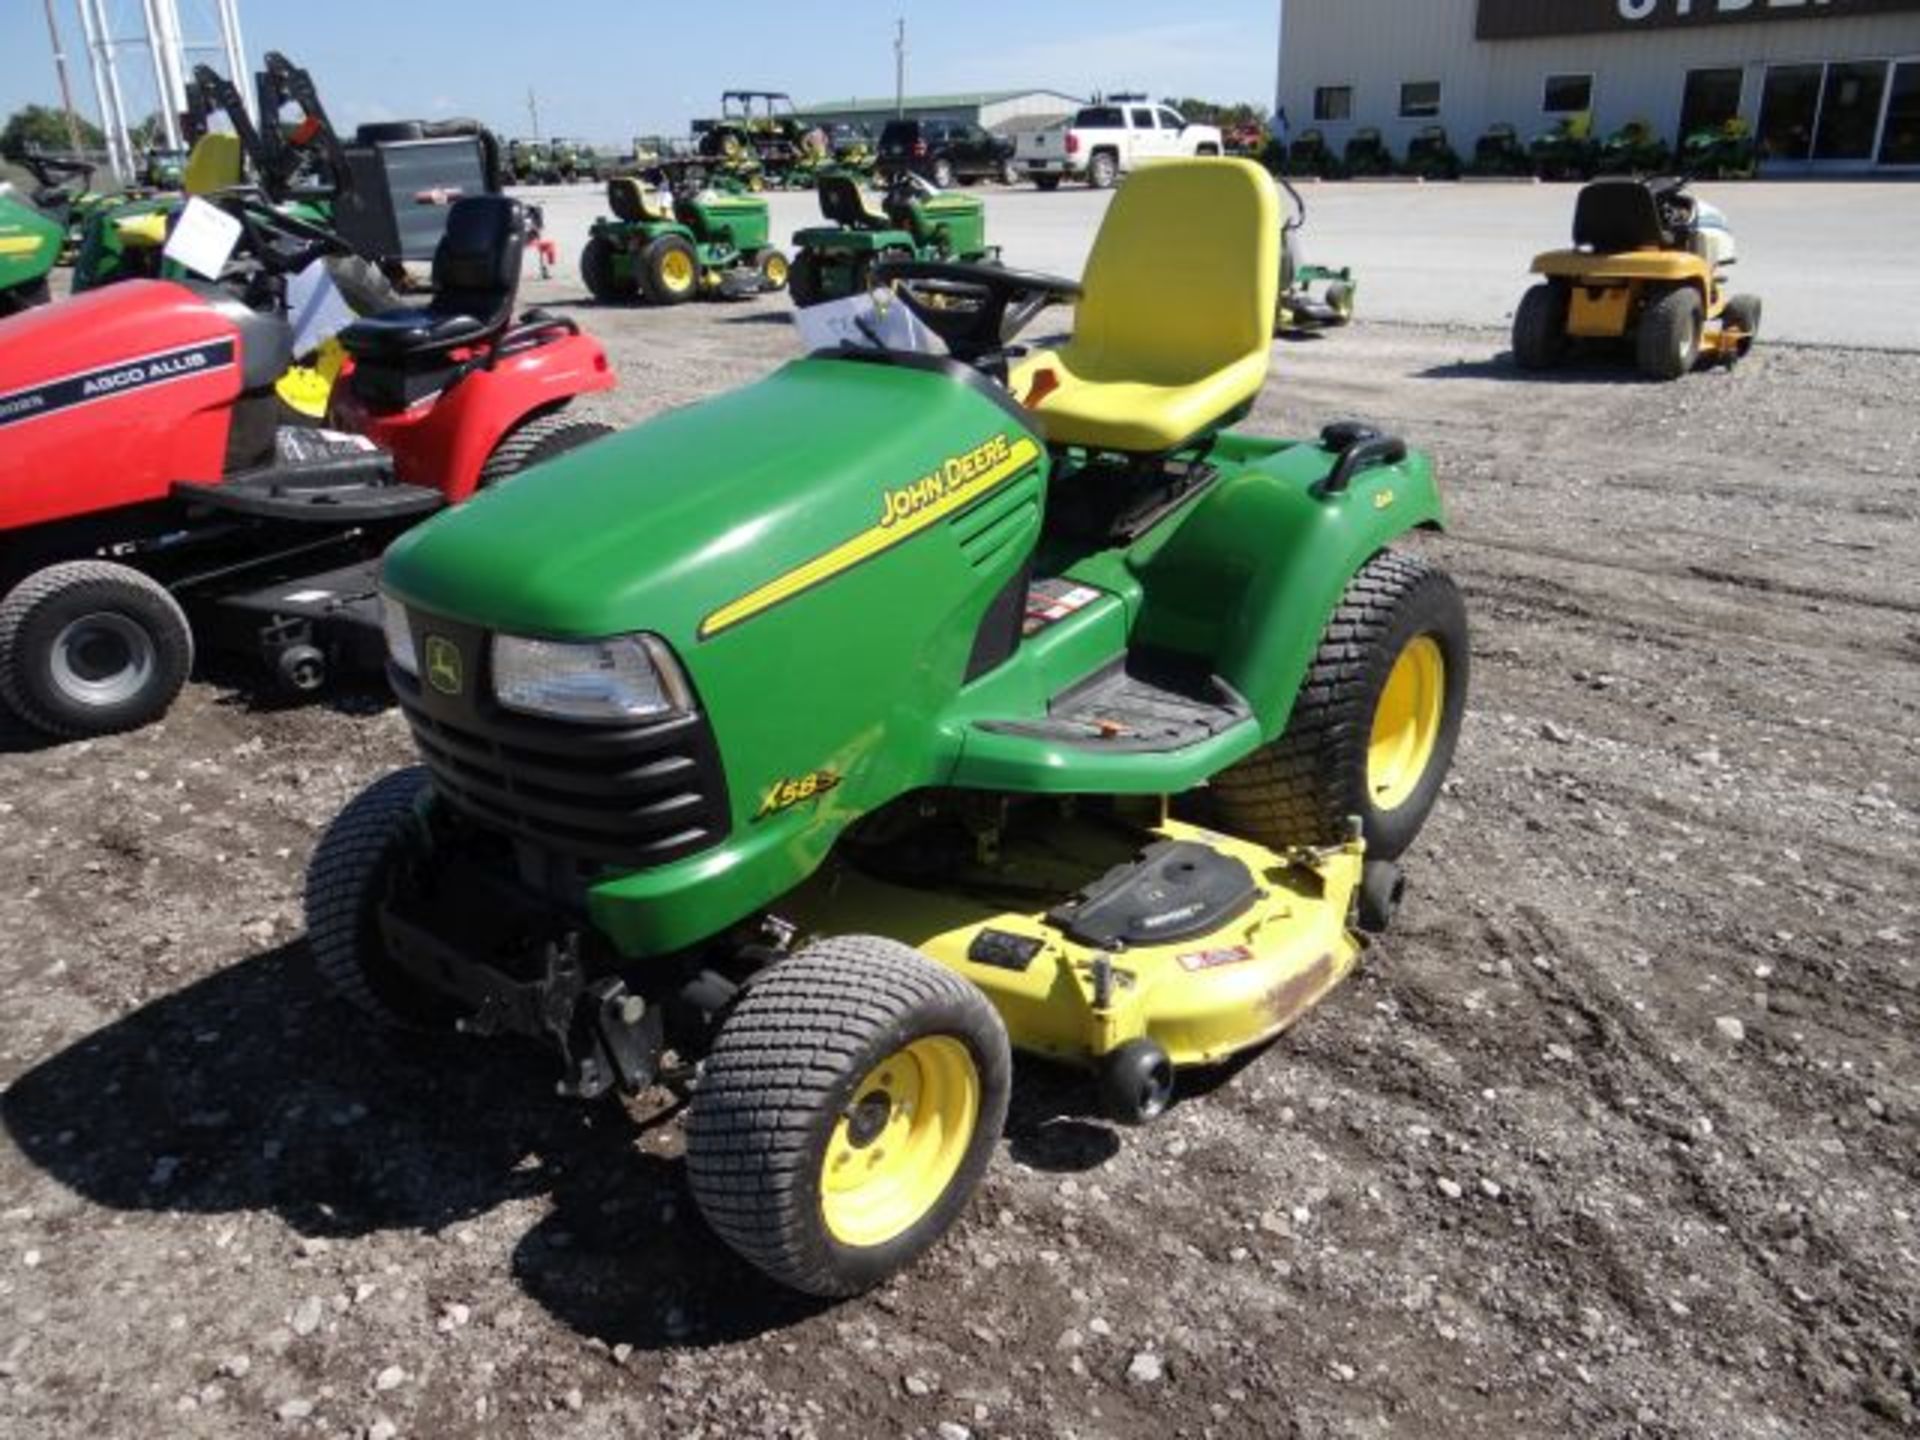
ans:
(1333, 102)
(1568, 94)
(1711, 98)
(1419, 99)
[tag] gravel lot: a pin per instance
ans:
(1617, 1134)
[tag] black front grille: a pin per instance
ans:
(628, 795)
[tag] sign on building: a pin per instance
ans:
(1521, 19)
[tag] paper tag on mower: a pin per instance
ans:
(203, 239)
(870, 321)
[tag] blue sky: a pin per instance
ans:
(606, 70)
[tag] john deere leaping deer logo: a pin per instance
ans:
(443, 665)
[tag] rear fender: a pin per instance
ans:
(445, 441)
(1252, 576)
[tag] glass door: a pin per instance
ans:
(1789, 110)
(1850, 111)
(1900, 139)
(1712, 98)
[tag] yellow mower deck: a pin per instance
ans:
(1201, 1000)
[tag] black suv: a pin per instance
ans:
(944, 151)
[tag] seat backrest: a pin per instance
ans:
(476, 266)
(214, 164)
(843, 204)
(634, 201)
(1184, 273)
(1616, 215)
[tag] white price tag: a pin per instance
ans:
(874, 320)
(203, 238)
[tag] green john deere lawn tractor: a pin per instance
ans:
(31, 240)
(1634, 149)
(1366, 155)
(1431, 156)
(677, 233)
(1568, 151)
(914, 222)
(1309, 156)
(1499, 152)
(804, 748)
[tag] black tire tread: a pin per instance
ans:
(798, 1033)
(1660, 329)
(541, 438)
(35, 590)
(1540, 328)
(345, 864)
(1288, 792)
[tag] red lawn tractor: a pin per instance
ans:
(155, 491)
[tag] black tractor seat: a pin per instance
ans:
(476, 273)
(844, 203)
(1618, 215)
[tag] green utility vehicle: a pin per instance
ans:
(677, 233)
(915, 222)
(804, 747)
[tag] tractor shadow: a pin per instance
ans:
(249, 1091)
(1506, 370)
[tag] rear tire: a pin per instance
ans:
(854, 1050)
(25, 297)
(942, 176)
(597, 271)
(352, 871)
(538, 439)
(1356, 744)
(92, 648)
(803, 279)
(1102, 170)
(1670, 334)
(1743, 313)
(1540, 328)
(670, 269)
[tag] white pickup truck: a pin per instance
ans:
(1104, 141)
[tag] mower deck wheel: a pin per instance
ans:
(1340, 301)
(597, 272)
(540, 438)
(353, 869)
(1540, 328)
(1743, 314)
(1671, 330)
(91, 648)
(670, 269)
(771, 262)
(1373, 731)
(846, 1112)
(1136, 1083)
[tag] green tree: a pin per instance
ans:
(42, 127)
(1208, 112)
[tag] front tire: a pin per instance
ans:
(353, 870)
(1540, 328)
(846, 1112)
(535, 440)
(92, 648)
(1375, 724)
(775, 273)
(1670, 334)
(1743, 313)
(942, 176)
(804, 280)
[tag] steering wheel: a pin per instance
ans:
(976, 309)
(1678, 209)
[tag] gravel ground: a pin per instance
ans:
(1614, 1135)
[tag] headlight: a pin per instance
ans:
(630, 677)
(399, 636)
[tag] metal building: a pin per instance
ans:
(1827, 85)
(1000, 110)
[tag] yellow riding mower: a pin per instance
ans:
(1648, 265)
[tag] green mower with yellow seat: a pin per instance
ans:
(809, 748)
(915, 221)
(678, 233)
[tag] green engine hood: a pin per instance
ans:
(665, 526)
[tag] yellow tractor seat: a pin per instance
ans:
(214, 164)
(844, 203)
(1174, 328)
(634, 201)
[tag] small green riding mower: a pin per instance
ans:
(1310, 156)
(1721, 152)
(676, 234)
(803, 747)
(1431, 156)
(1635, 149)
(1568, 151)
(1367, 155)
(1648, 266)
(530, 163)
(30, 244)
(1312, 297)
(915, 222)
(63, 189)
(1499, 152)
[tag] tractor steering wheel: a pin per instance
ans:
(976, 309)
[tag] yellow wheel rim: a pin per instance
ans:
(1406, 724)
(776, 270)
(676, 269)
(900, 1141)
